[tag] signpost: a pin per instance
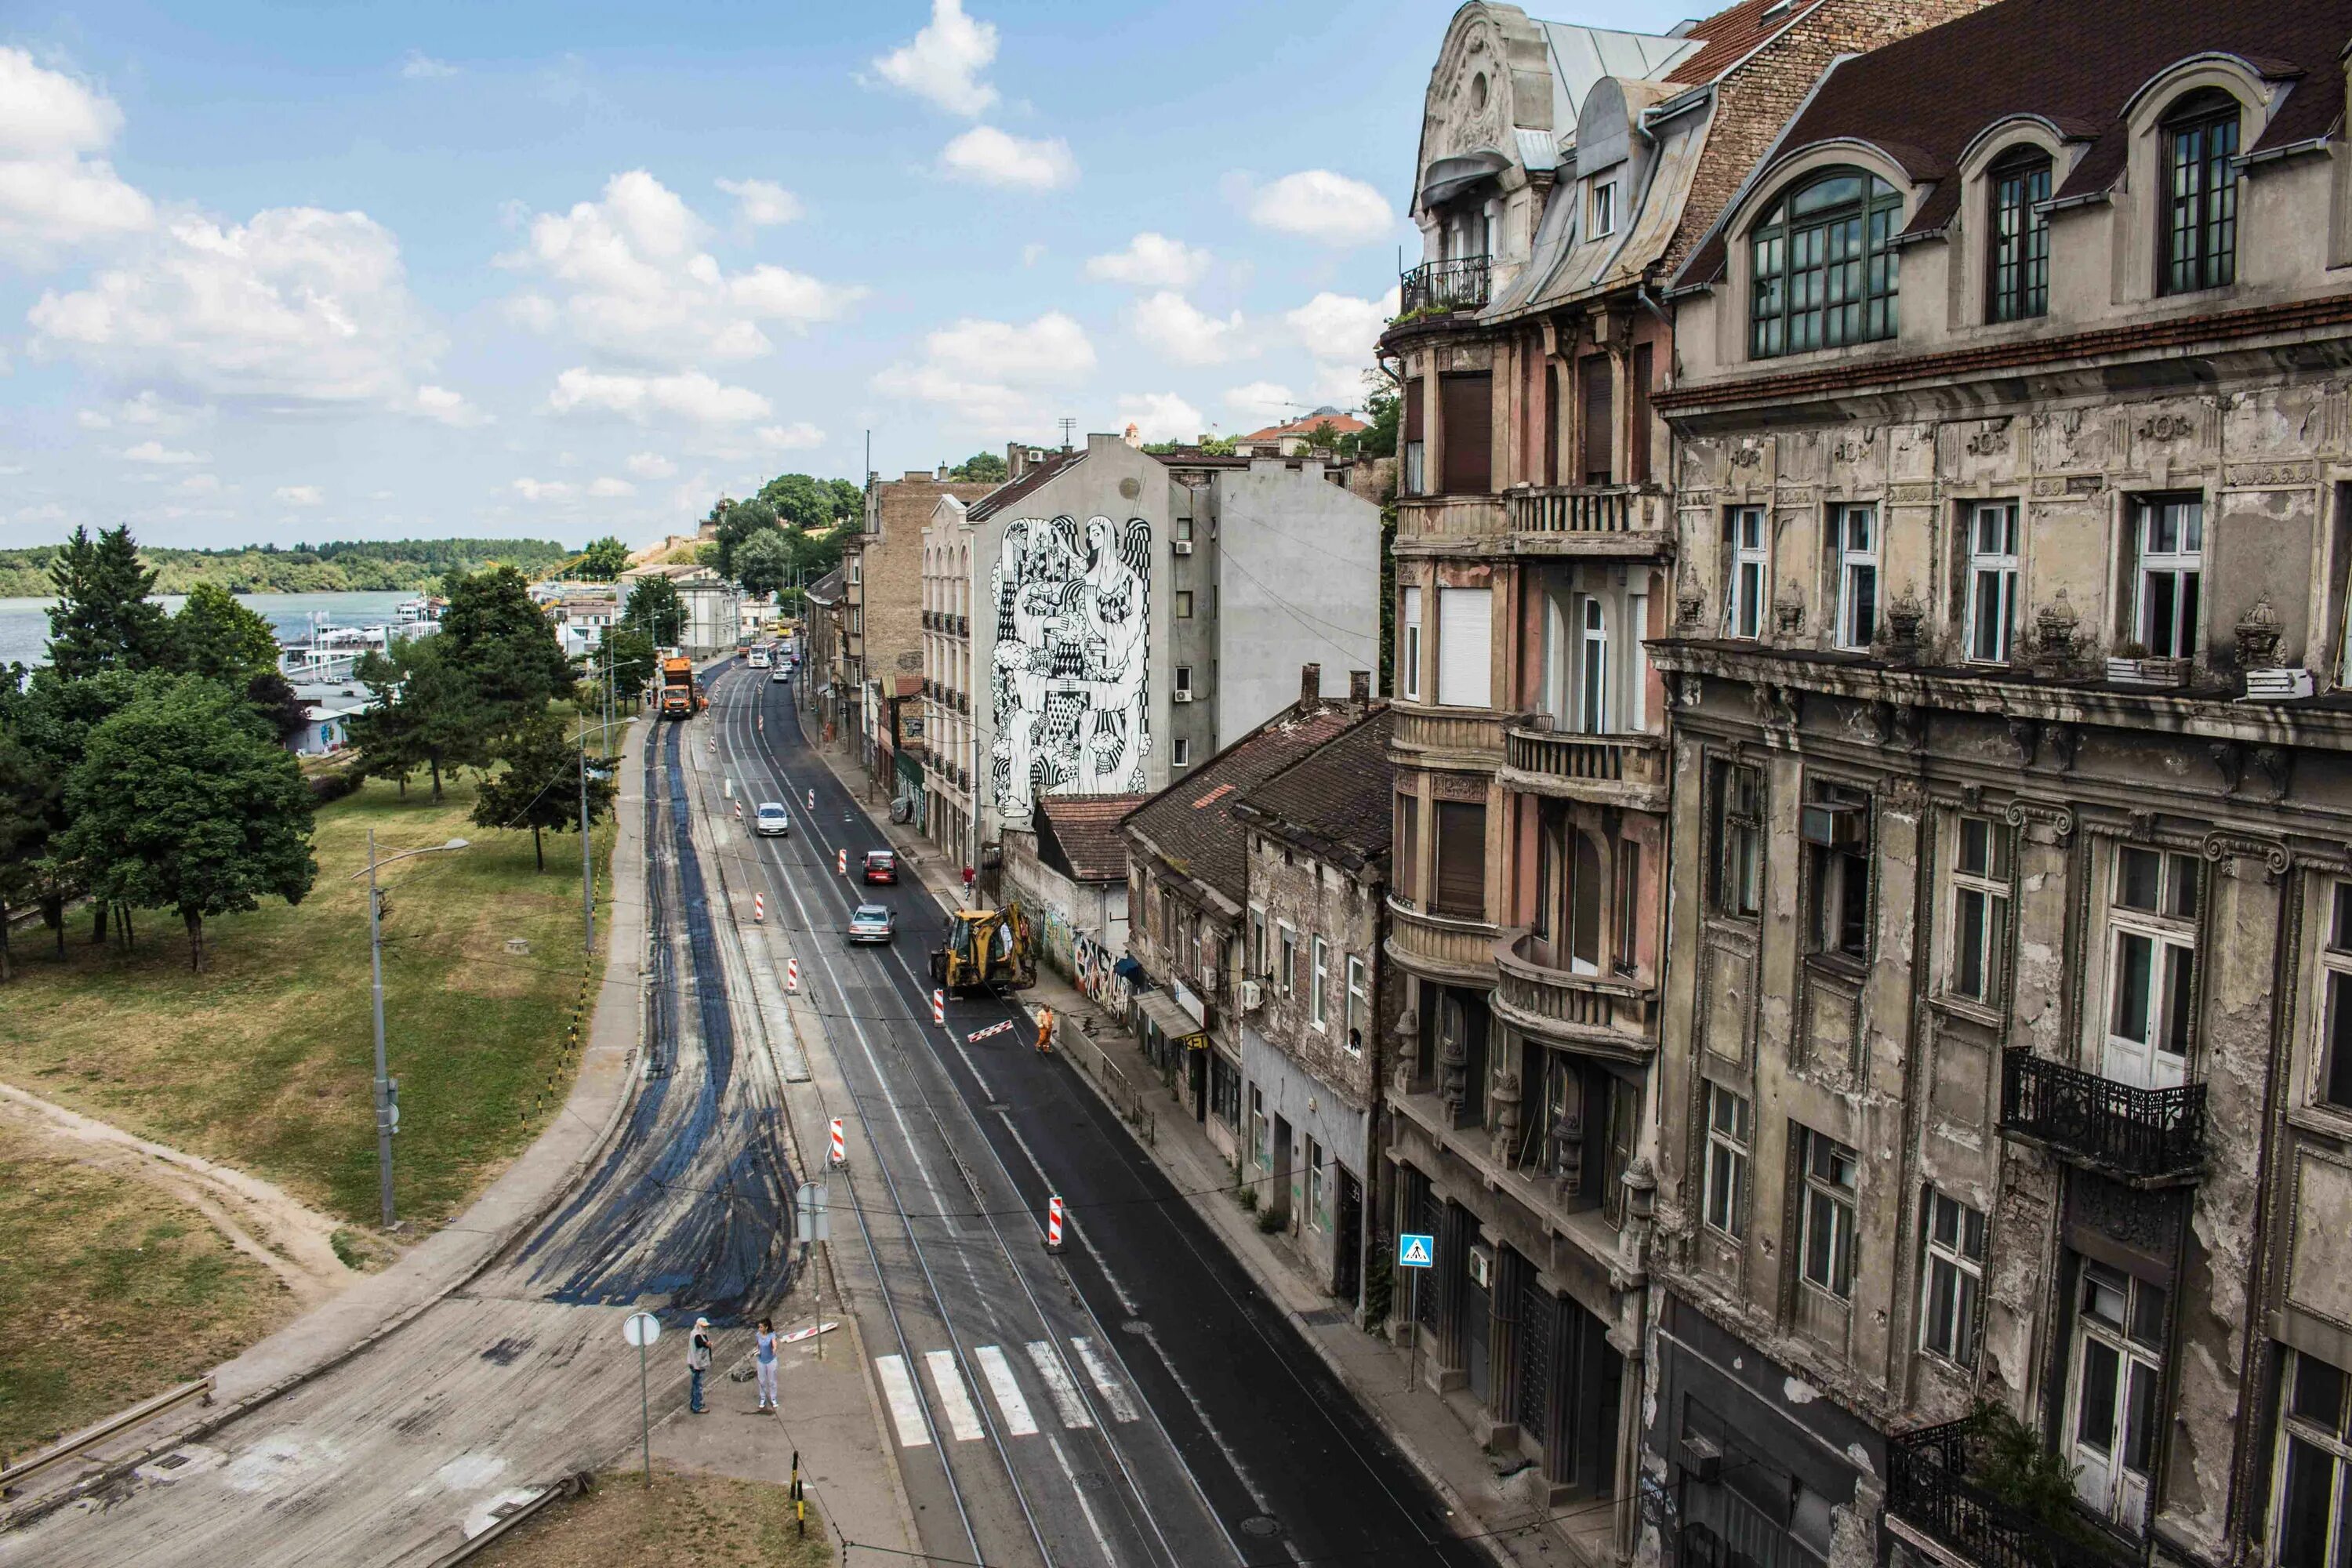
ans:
(812, 1223)
(641, 1329)
(1415, 1251)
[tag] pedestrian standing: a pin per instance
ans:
(763, 1358)
(697, 1361)
(1044, 1031)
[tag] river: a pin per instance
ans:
(25, 623)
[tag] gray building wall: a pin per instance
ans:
(1298, 563)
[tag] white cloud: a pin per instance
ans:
(1030, 253)
(639, 285)
(301, 495)
(1151, 261)
(762, 204)
(651, 465)
(1339, 327)
(201, 484)
(943, 62)
(609, 485)
(986, 373)
(156, 452)
(92, 419)
(422, 67)
(298, 303)
(1262, 402)
(1343, 385)
(991, 157)
(797, 437)
(691, 397)
(1184, 332)
(55, 193)
(1161, 416)
(1319, 205)
(543, 490)
(438, 402)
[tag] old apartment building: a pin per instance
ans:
(2010, 993)
(1562, 172)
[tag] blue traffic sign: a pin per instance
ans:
(1415, 1251)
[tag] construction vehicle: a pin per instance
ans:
(681, 694)
(987, 950)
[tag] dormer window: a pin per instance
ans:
(1604, 209)
(1823, 266)
(2017, 277)
(2200, 184)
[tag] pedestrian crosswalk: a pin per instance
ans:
(954, 1391)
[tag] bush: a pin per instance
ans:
(1272, 1220)
(335, 783)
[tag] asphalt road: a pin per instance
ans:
(1244, 1448)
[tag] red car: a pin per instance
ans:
(881, 865)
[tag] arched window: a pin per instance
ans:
(1823, 263)
(2200, 185)
(2017, 273)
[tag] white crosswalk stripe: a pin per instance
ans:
(999, 1373)
(1059, 1384)
(962, 1419)
(906, 1405)
(1122, 1407)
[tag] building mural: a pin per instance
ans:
(1069, 685)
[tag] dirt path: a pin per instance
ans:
(290, 1240)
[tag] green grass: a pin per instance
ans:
(685, 1520)
(264, 1061)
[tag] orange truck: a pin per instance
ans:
(681, 694)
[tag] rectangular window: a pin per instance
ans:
(1836, 830)
(2171, 542)
(1319, 976)
(1183, 604)
(2336, 1002)
(1461, 859)
(1464, 647)
(1318, 1189)
(1360, 1005)
(1183, 677)
(2311, 1518)
(1414, 481)
(2116, 1367)
(1406, 860)
(1256, 941)
(2151, 967)
(1184, 529)
(1409, 647)
(1604, 209)
(1748, 580)
(2200, 228)
(1980, 878)
(1593, 665)
(1598, 433)
(1183, 755)
(1261, 1138)
(1992, 580)
(1825, 1219)
(1225, 1091)
(1951, 1277)
(1854, 532)
(2017, 281)
(1288, 972)
(1730, 1132)
(856, 574)
(1466, 433)
(1736, 802)
(1627, 910)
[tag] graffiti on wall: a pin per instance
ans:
(1071, 704)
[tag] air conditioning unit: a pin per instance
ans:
(1841, 825)
(1253, 996)
(1482, 1267)
(1182, 547)
(1181, 694)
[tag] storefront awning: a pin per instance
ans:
(1169, 1018)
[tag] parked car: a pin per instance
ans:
(873, 922)
(881, 865)
(772, 821)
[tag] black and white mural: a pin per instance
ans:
(1071, 698)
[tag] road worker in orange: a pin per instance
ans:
(1044, 1031)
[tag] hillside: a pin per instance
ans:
(408, 565)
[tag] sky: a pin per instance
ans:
(272, 273)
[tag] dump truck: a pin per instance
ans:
(681, 694)
(986, 949)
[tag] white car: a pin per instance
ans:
(780, 677)
(873, 922)
(772, 821)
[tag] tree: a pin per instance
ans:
(539, 788)
(655, 610)
(981, 468)
(764, 563)
(603, 560)
(273, 700)
(494, 634)
(184, 803)
(427, 713)
(738, 523)
(217, 637)
(103, 618)
(1383, 408)
(632, 656)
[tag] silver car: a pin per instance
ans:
(873, 922)
(772, 821)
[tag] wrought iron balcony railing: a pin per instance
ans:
(1928, 1486)
(1458, 285)
(2145, 1135)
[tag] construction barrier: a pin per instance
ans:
(839, 1153)
(791, 977)
(841, 861)
(939, 1007)
(760, 909)
(1053, 1223)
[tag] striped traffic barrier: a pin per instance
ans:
(758, 909)
(1053, 1223)
(841, 861)
(839, 1154)
(812, 800)
(792, 976)
(939, 1007)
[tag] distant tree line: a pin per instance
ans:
(396, 566)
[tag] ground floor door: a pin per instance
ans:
(1196, 1071)
(1477, 1334)
(1348, 1238)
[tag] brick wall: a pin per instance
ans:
(1316, 898)
(891, 591)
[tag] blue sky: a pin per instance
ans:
(281, 272)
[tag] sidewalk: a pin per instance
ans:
(1509, 1512)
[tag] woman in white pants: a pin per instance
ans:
(763, 1358)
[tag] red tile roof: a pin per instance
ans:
(1340, 799)
(1191, 823)
(1086, 829)
(1341, 425)
(1733, 33)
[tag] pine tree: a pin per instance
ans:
(103, 618)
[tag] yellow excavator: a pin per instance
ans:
(986, 949)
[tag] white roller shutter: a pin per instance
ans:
(1465, 633)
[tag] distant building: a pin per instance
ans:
(1337, 422)
(713, 605)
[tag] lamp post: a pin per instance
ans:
(383, 1109)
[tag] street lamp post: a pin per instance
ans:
(383, 1112)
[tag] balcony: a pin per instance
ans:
(1441, 947)
(931, 620)
(2146, 1137)
(1609, 1017)
(1459, 285)
(1435, 525)
(1590, 519)
(962, 628)
(1628, 771)
(1428, 736)
(1931, 1490)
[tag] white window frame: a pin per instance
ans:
(1318, 974)
(1258, 955)
(1637, 663)
(1465, 647)
(2334, 990)
(1951, 1279)
(1317, 1189)
(856, 571)
(1625, 906)
(2102, 1482)
(1824, 1200)
(1602, 209)
(2336, 1446)
(1285, 943)
(1993, 570)
(1980, 896)
(1730, 1142)
(1408, 645)
(1360, 1007)
(2184, 564)
(2146, 1064)
(1593, 702)
(1184, 681)
(1182, 756)
(1748, 583)
(1857, 562)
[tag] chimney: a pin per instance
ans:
(942, 472)
(1310, 685)
(1359, 687)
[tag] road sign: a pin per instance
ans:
(811, 1219)
(641, 1329)
(1415, 1251)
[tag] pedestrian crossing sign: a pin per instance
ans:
(1416, 1251)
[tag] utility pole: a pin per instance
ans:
(383, 1076)
(587, 857)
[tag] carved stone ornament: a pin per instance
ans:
(1906, 727)
(1789, 609)
(1748, 454)
(2143, 824)
(2277, 764)
(1989, 440)
(2064, 740)
(1452, 1074)
(2230, 757)
(2167, 427)
(1776, 706)
(2054, 628)
(1972, 794)
(1690, 600)
(1903, 621)
(2031, 815)
(2026, 736)
(2222, 846)
(2258, 637)
(1505, 1093)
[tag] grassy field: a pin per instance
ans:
(109, 1292)
(264, 1060)
(685, 1520)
